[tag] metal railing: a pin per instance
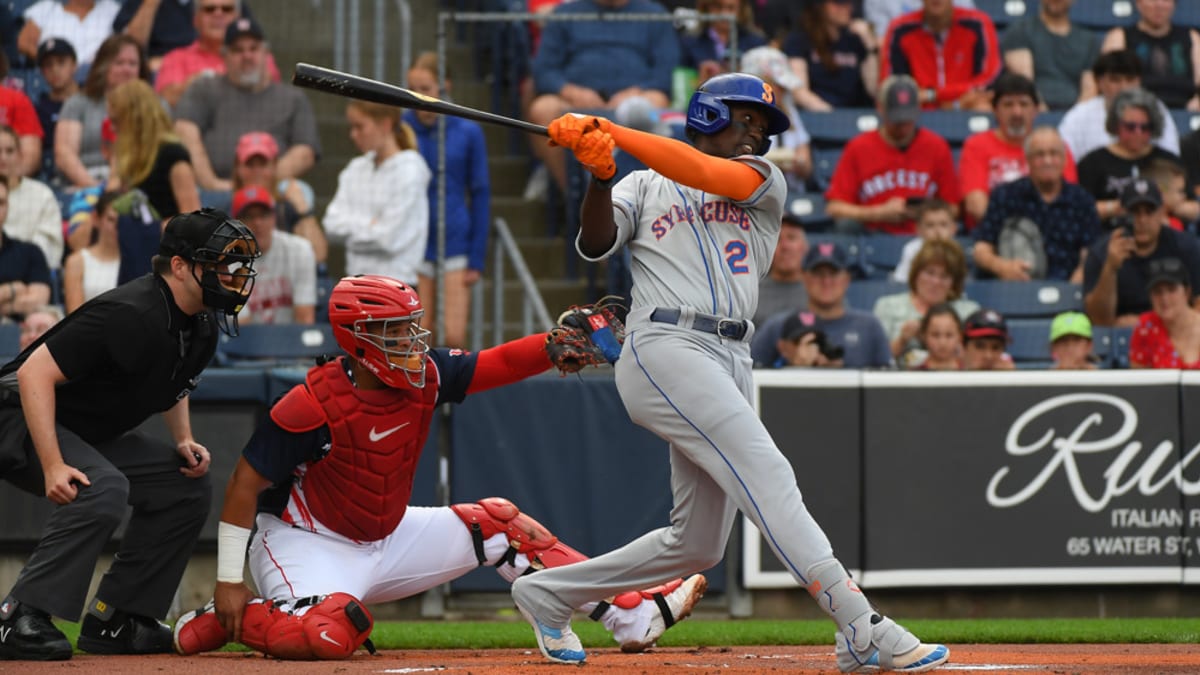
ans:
(348, 43)
(534, 315)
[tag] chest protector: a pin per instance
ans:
(362, 487)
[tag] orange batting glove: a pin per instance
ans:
(568, 129)
(595, 152)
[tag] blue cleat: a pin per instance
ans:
(560, 645)
(892, 649)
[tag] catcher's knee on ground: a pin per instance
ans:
(318, 628)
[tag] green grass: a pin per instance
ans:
(517, 634)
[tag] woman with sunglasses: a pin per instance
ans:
(1134, 120)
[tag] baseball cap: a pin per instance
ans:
(55, 47)
(901, 99)
(1070, 323)
(249, 196)
(187, 232)
(1166, 270)
(769, 63)
(256, 143)
(243, 26)
(826, 253)
(1141, 191)
(798, 324)
(985, 323)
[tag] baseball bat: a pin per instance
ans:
(365, 89)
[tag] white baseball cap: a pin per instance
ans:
(771, 64)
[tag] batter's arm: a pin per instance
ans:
(237, 517)
(685, 164)
(597, 229)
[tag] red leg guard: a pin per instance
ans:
(631, 599)
(322, 627)
(496, 515)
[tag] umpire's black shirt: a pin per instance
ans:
(127, 354)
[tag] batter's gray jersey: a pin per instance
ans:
(695, 249)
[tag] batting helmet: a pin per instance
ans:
(708, 111)
(377, 320)
(225, 249)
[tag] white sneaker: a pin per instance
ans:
(560, 645)
(893, 648)
(539, 184)
(673, 608)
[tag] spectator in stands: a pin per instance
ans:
(1167, 336)
(57, 63)
(1057, 54)
(880, 13)
(783, 287)
(78, 138)
(996, 156)
(24, 275)
(985, 341)
(255, 159)
(215, 111)
(941, 335)
(707, 50)
(37, 322)
(468, 197)
(590, 65)
(834, 57)
(1039, 226)
(17, 111)
(1169, 53)
(1171, 177)
(91, 271)
(1083, 128)
(935, 220)
(381, 207)
(203, 57)
(883, 174)
(1135, 120)
(1071, 342)
(162, 25)
(858, 333)
(84, 23)
(938, 275)
(790, 150)
(1189, 152)
(951, 52)
(285, 288)
(800, 345)
(148, 155)
(1116, 270)
(33, 213)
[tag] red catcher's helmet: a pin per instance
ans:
(377, 321)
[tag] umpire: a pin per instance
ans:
(70, 406)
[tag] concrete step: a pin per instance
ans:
(524, 218)
(509, 174)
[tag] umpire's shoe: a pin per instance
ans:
(106, 630)
(26, 634)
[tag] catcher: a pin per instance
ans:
(329, 474)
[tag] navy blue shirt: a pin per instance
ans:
(47, 112)
(842, 85)
(1068, 224)
(173, 25)
(696, 49)
(1132, 296)
(859, 333)
(22, 261)
(274, 452)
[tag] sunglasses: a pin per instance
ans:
(213, 9)
(1143, 127)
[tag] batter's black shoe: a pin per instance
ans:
(26, 634)
(125, 634)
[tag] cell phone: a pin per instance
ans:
(1126, 230)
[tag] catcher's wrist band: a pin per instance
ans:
(231, 552)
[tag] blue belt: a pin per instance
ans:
(707, 323)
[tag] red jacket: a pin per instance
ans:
(966, 57)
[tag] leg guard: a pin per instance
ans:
(496, 515)
(321, 627)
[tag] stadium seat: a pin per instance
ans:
(277, 344)
(1029, 341)
(835, 129)
(325, 285)
(956, 125)
(881, 253)
(10, 341)
(863, 294)
(1100, 15)
(1004, 12)
(824, 163)
(1102, 346)
(1119, 356)
(1049, 118)
(1026, 299)
(1186, 121)
(809, 208)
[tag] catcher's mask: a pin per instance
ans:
(225, 250)
(377, 320)
(708, 109)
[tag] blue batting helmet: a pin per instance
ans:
(708, 111)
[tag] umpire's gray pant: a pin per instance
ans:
(168, 511)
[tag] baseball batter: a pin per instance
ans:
(329, 473)
(702, 225)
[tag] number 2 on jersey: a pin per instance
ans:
(735, 257)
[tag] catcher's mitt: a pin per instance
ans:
(586, 335)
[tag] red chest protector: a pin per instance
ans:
(362, 487)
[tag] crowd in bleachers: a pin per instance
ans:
(1060, 139)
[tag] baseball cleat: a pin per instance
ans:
(560, 645)
(673, 608)
(199, 631)
(893, 649)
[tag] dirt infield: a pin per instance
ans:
(992, 659)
